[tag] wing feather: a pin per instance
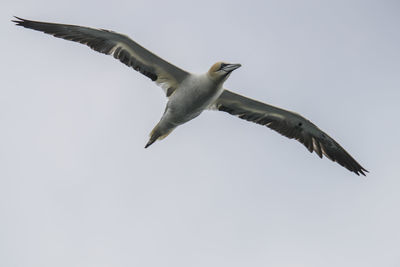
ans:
(118, 45)
(289, 124)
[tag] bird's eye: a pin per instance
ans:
(223, 65)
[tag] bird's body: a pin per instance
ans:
(195, 94)
(190, 94)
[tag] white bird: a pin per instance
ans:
(189, 94)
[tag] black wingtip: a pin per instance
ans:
(19, 21)
(360, 170)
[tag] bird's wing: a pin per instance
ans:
(120, 46)
(289, 124)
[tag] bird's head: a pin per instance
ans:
(220, 71)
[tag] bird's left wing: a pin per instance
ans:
(289, 124)
(120, 46)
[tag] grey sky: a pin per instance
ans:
(77, 188)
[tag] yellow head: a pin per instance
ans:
(220, 71)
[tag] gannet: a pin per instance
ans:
(190, 94)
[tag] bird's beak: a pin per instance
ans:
(231, 67)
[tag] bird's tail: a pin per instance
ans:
(157, 134)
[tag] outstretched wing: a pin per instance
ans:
(289, 124)
(120, 46)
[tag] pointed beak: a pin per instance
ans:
(231, 67)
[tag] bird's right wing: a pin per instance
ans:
(289, 124)
(120, 46)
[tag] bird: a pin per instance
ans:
(190, 94)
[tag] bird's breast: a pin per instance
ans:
(194, 95)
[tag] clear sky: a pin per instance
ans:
(77, 188)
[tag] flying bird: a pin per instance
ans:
(190, 94)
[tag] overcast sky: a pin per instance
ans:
(77, 188)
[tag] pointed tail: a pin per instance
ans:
(157, 134)
(151, 141)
